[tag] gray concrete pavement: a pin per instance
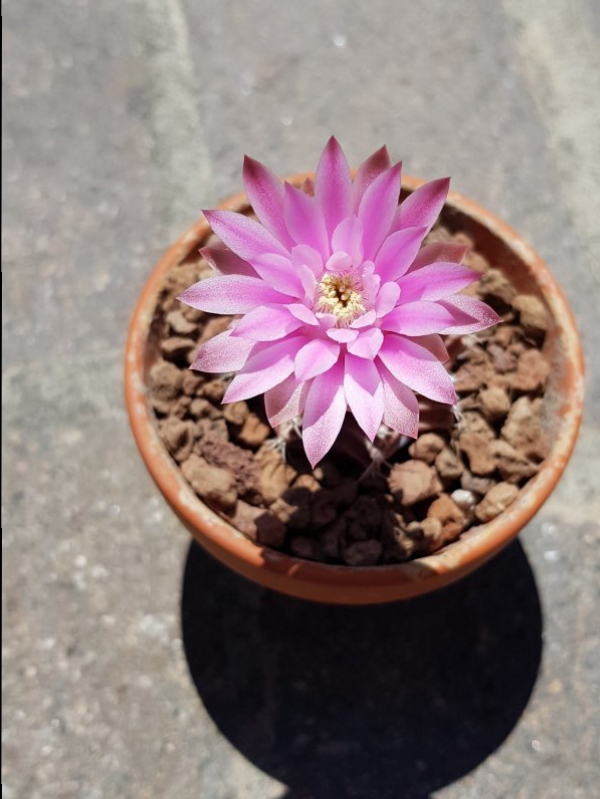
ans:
(135, 667)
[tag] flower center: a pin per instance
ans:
(341, 295)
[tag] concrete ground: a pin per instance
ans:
(136, 667)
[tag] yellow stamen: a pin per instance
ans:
(341, 296)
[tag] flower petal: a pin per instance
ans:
(348, 238)
(269, 364)
(388, 296)
(368, 344)
(364, 393)
(368, 171)
(436, 281)
(303, 255)
(246, 237)
(303, 313)
(401, 405)
(419, 318)
(316, 357)
(364, 321)
(342, 334)
(470, 315)
(435, 345)
(266, 323)
(377, 209)
(285, 401)
(227, 262)
(222, 354)
(423, 206)
(278, 272)
(324, 412)
(265, 193)
(416, 367)
(447, 251)
(226, 294)
(333, 185)
(398, 252)
(304, 220)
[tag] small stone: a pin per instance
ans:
(181, 407)
(479, 485)
(533, 314)
(532, 371)
(494, 285)
(495, 501)
(512, 465)
(332, 539)
(466, 501)
(523, 428)
(176, 348)
(192, 314)
(412, 482)
(449, 466)
(275, 474)
(307, 481)
(179, 324)
(503, 361)
(472, 376)
(476, 441)
(165, 381)
(199, 408)
(214, 390)
(178, 437)
(304, 547)
(219, 451)
(451, 516)
(254, 432)
(236, 413)
(191, 382)
(427, 447)
(258, 524)
(293, 508)
(214, 485)
(494, 403)
(363, 553)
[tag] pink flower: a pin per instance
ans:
(339, 306)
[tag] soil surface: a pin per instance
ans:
(467, 465)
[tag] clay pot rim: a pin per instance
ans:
(364, 584)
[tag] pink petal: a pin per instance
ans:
(285, 401)
(342, 334)
(388, 296)
(222, 354)
(338, 262)
(265, 193)
(417, 368)
(266, 323)
(377, 209)
(434, 344)
(246, 237)
(368, 344)
(303, 313)
(303, 255)
(368, 171)
(418, 318)
(324, 412)
(439, 251)
(316, 357)
(470, 315)
(304, 220)
(348, 237)
(423, 206)
(401, 405)
(268, 365)
(436, 281)
(278, 272)
(333, 186)
(364, 321)
(364, 394)
(226, 262)
(398, 252)
(228, 294)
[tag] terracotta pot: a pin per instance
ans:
(343, 584)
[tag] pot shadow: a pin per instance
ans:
(364, 702)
